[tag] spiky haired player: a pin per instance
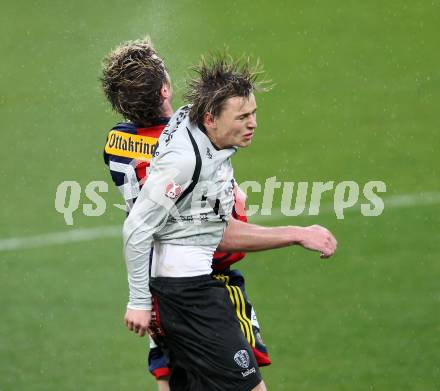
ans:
(130, 78)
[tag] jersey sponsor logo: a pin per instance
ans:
(208, 153)
(173, 190)
(242, 358)
(248, 372)
(156, 152)
(130, 145)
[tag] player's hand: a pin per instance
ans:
(138, 321)
(320, 239)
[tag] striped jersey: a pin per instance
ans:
(129, 170)
(187, 198)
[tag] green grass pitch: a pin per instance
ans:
(356, 97)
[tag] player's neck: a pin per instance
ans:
(214, 141)
(167, 108)
(210, 135)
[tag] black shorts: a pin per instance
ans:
(158, 363)
(208, 350)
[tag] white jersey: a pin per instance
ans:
(176, 260)
(186, 200)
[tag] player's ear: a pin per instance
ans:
(165, 91)
(209, 121)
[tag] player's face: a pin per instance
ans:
(167, 88)
(170, 87)
(236, 124)
(166, 93)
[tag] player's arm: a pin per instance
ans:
(241, 236)
(148, 215)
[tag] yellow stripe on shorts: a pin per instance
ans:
(237, 298)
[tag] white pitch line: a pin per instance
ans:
(54, 238)
(114, 231)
